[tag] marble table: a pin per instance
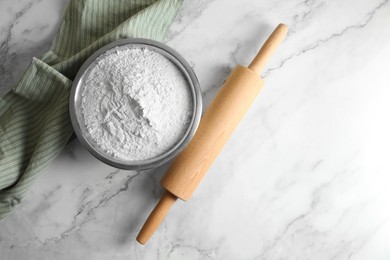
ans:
(305, 176)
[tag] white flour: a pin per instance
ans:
(136, 103)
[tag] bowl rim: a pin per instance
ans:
(180, 62)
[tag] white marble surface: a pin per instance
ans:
(305, 176)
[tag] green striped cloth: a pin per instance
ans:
(34, 117)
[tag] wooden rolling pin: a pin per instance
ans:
(221, 118)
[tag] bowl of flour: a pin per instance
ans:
(135, 104)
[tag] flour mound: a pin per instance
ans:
(136, 104)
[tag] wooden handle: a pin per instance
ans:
(218, 123)
(156, 217)
(268, 48)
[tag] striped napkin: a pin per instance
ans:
(34, 117)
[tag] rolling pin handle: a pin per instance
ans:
(156, 217)
(268, 48)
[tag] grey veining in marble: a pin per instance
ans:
(305, 175)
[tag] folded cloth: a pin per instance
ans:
(34, 116)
